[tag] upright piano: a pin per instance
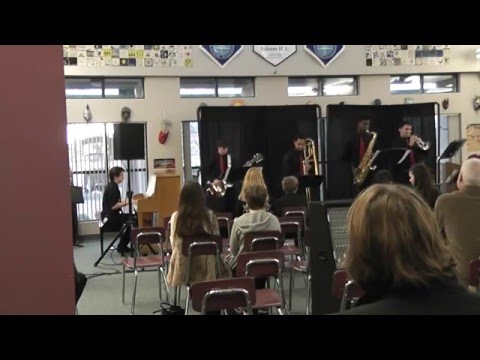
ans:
(161, 197)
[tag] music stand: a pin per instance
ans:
(128, 224)
(388, 159)
(451, 150)
(310, 181)
(76, 193)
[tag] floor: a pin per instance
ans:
(102, 294)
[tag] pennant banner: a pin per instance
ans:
(275, 54)
(221, 54)
(325, 54)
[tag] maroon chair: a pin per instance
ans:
(262, 241)
(347, 291)
(197, 245)
(265, 264)
(297, 211)
(223, 294)
(225, 221)
(303, 266)
(145, 237)
(474, 277)
(292, 225)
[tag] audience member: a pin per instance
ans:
(382, 177)
(458, 216)
(257, 219)
(397, 256)
(422, 180)
(253, 176)
(192, 218)
(291, 197)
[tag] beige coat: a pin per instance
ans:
(458, 215)
(203, 267)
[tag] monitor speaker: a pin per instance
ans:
(128, 141)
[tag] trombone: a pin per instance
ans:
(309, 155)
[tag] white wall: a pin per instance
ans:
(162, 91)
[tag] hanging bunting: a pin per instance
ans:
(325, 54)
(221, 54)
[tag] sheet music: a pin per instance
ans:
(403, 157)
(151, 186)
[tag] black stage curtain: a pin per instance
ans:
(385, 120)
(268, 130)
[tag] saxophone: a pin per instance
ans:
(364, 166)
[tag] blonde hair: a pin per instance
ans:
(289, 184)
(254, 176)
(394, 241)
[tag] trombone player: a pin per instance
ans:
(294, 162)
(418, 151)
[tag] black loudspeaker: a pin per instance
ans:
(128, 141)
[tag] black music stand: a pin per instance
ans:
(310, 182)
(77, 198)
(452, 149)
(388, 159)
(127, 225)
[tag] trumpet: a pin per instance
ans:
(422, 145)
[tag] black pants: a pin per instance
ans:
(115, 223)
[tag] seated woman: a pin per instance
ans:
(403, 266)
(422, 181)
(192, 218)
(253, 176)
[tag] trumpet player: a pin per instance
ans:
(418, 151)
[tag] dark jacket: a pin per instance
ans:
(443, 297)
(292, 163)
(111, 196)
(400, 171)
(213, 170)
(351, 152)
(288, 200)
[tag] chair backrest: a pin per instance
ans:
(473, 279)
(291, 224)
(260, 264)
(225, 219)
(262, 241)
(345, 290)
(203, 244)
(146, 239)
(296, 211)
(307, 238)
(340, 278)
(223, 294)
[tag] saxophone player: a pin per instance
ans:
(355, 150)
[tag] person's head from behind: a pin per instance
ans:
(255, 197)
(290, 185)
(469, 174)
(363, 125)
(420, 176)
(299, 142)
(254, 176)
(382, 177)
(222, 147)
(193, 214)
(394, 241)
(117, 174)
(405, 129)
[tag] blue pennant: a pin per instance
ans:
(325, 54)
(222, 54)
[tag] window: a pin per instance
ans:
(423, 84)
(322, 86)
(98, 88)
(216, 87)
(90, 148)
(191, 150)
